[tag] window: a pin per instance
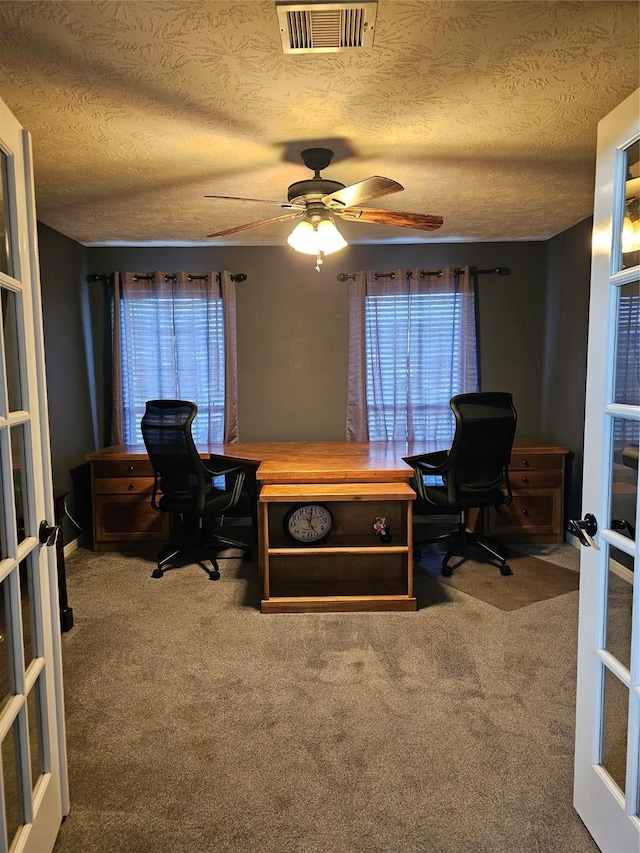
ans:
(416, 336)
(173, 333)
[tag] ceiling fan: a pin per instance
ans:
(319, 200)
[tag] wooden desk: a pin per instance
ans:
(351, 570)
(122, 478)
(124, 520)
(321, 461)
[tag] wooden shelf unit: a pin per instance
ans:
(351, 570)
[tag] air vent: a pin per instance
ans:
(326, 27)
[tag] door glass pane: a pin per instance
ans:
(20, 480)
(26, 599)
(12, 800)
(630, 236)
(624, 477)
(6, 264)
(614, 729)
(35, 723)
(11, 353)
(627, 356)
(3, 537)
(619, 609)
(6, 679)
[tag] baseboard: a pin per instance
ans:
(82, 541)
(70, 547)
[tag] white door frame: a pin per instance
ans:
(33, 774)
(609, 815)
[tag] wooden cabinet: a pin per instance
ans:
(351, 569)
(536, 514)
(123, 518)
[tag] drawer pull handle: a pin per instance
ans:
(525, 512)
(132, 486)
(526, 463)
(525, 479)
(130, 469)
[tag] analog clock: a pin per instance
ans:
(308, 523)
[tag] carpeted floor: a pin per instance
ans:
(198, 725)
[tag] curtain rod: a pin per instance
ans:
(343, 276)
(108, 276)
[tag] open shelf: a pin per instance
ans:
(351, 569)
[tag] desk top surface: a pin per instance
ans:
(320, 461)
(306, 461)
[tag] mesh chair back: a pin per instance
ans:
(166, 430)
(485, 429)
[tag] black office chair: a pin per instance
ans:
(474, 472)
(183, 486)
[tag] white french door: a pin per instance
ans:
(33, 782)
(607, 757)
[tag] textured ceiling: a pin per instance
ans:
(486, 112)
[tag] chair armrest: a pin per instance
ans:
(429, 463)
(219, 465)
(219, 471)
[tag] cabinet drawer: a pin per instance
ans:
(122, 468)
(121, 518)
(535, 461)
(525, 479)
(531, 513)
(123, 486)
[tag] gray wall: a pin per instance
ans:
(292, 335)
(293, 325)
(564, 367)
(62, 276)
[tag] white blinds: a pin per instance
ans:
(419, 350)
(173, 347)
(627, 363)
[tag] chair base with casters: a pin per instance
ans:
(460, 541)
(194, 540)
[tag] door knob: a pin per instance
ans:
(623, 524)
(48, 535)
(588, 524)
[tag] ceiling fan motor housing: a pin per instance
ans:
(314, 188)
(317, 187)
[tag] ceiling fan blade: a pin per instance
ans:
(421, 221)
(261, 200)
(254, 224)
(373, 187)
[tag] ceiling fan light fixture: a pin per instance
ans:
(329, 238)
(303, 238)
(316, 238)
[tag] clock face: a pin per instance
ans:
(308, 523)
